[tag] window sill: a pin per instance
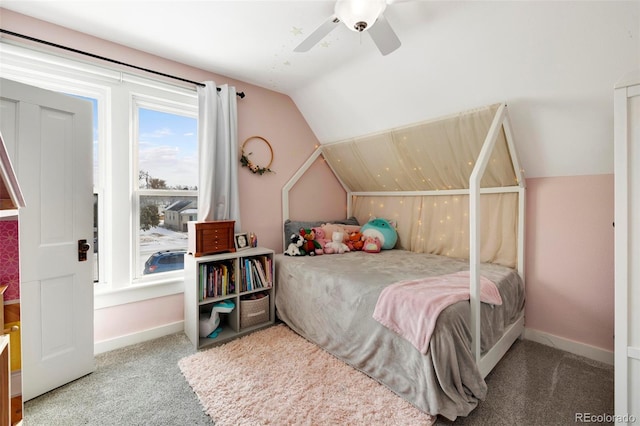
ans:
(106, 298)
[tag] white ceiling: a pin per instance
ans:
(252, 41)
(554, 63)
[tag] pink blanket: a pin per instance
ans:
(411, 307)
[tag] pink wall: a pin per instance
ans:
(9, 259)
(314, 196)
(131, 318)
(569, 258)
(274, 117)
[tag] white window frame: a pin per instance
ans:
(115, 91)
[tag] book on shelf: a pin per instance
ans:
(255, 277)
(216, 280)
(247, 274)
(260, 273)
(255, 273)
(263, 265)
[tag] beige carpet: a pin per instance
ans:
(276, 377)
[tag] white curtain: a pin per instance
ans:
(218, 154)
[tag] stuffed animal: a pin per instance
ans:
(310, 245)
(383, 229)
(330, 228)
(321, 239)
(371, 245)
(296, 241)
(355, 241)
(336, 246)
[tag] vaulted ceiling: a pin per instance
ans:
(554, 63)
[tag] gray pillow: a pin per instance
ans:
(293, 226)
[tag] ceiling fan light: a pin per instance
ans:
(359, 15)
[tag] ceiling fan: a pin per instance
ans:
(358, 16)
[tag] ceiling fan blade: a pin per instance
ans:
(320, 33)
(383, 36)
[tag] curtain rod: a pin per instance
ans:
(70, 49)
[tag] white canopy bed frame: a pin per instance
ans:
(498, 137)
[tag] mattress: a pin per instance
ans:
(330, 299)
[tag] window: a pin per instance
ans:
(167, 177)
(145, 169)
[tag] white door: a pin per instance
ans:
(51, 135)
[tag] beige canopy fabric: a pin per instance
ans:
(432, 155)
(435, 155)
(439, 224)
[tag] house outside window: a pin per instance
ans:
(179, 213)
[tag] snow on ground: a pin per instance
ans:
(160, 238)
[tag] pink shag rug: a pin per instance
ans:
(274, 376)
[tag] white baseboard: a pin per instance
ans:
(571, 346)
(139, 337)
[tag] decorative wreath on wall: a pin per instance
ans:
(256, 168)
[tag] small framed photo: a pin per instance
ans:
(242, 241)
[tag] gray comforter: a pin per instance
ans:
(329, 299)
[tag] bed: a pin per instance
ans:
(455, 190)
(330, 299)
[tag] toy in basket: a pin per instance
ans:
(209, 323)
